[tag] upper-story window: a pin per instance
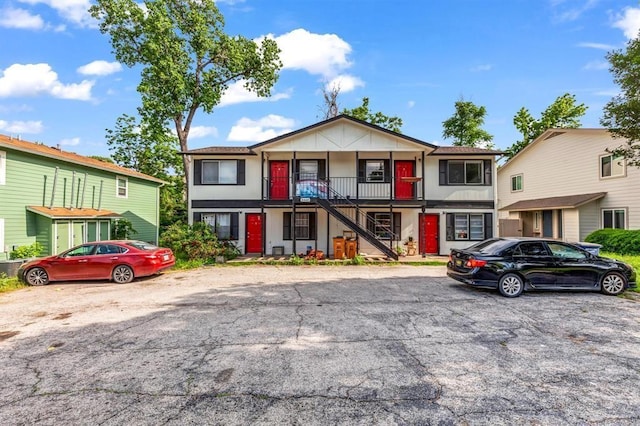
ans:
(220, 172)
(516, 183)
(466, 172)
(308, 169)
(122, 187)
(611, 166)
(374, 170)
(3, 167)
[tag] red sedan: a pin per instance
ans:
(120, 261)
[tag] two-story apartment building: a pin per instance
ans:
(60, 199)
(565, 185)
(343, 177)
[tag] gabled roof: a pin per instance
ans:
(437, 150)
(9, 142)
(563, 202)
(549, 134)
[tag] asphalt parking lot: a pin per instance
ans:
(309, 345)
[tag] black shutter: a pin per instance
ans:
(197, 217)
(286, 226)
(362, 171)
(397, 225)
(312, 226)
(241, 172)
(450, 227)
(488, 225)
(235, 219)
(443, 172)
(197, 172)
(322, 169)
(387, 171)
(487, 172)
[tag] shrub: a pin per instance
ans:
(191, 242)
(620, 241)
(122, 229)
(25, 252)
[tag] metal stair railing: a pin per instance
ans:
(345, 210)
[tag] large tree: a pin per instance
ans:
(187, 59)
(562, 113)
(379, 119)
(622, 114)
(464, 127)
(152, 150)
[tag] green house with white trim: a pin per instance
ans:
(60, 199)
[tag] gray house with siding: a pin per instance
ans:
(60, 199)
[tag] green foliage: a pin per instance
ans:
(102, 158)
(562, 113)
(620, 241)
(187, 61)
(122, 229)
(621, 115)
(26, 252)
(379, 119)
(197, 242)
(9, 284)
(358, 260)
(464, 127)
(296, 260)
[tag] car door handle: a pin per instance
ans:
(114, 258)
(82, 261)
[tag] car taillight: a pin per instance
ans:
(151, 256)
(475, 263)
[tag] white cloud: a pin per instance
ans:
(599, 46)
(346, 83)
(629, 22)
(21, 126)
(70, 142)
(597, 65)
(100, 68)
(320, 54)
(411, 104)
(236, 93)
(481, 68)
(21, 19)
(75, 11)
(608, 93)
(570, 11)
(202, 131)
(265, 128)
(37, 79)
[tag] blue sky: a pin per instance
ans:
(60, 83)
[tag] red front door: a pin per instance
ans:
(278, 180)
(404, 187)
(253, 238)
(429, 233)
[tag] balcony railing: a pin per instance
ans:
(349, 187)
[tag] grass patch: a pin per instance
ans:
(10, 284)
(633, 260)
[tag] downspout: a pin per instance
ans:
(100, 195)
(84, 187)
(53, 190)
(73, 189)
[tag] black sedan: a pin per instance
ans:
(514, 264)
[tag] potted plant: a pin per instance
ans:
(411, 246)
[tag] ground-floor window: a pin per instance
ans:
(220, 223)
(304, 225)
(469, 226)
(384, 225)
(613, 218)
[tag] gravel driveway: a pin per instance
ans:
(314, 345)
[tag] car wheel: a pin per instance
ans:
(613, 284)
(37, 276)
(511, 285)
(122, 274)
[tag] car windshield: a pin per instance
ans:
(141, 245)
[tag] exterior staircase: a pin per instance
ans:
(349, 214)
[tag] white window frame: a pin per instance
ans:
(515, 179)
(226, 180)
(126, 186)
(214, 219)
(464, 228)
(374, 171)
(622, 166)
(465, 163)
(308, 170)
(613, 212)
(3, 167)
